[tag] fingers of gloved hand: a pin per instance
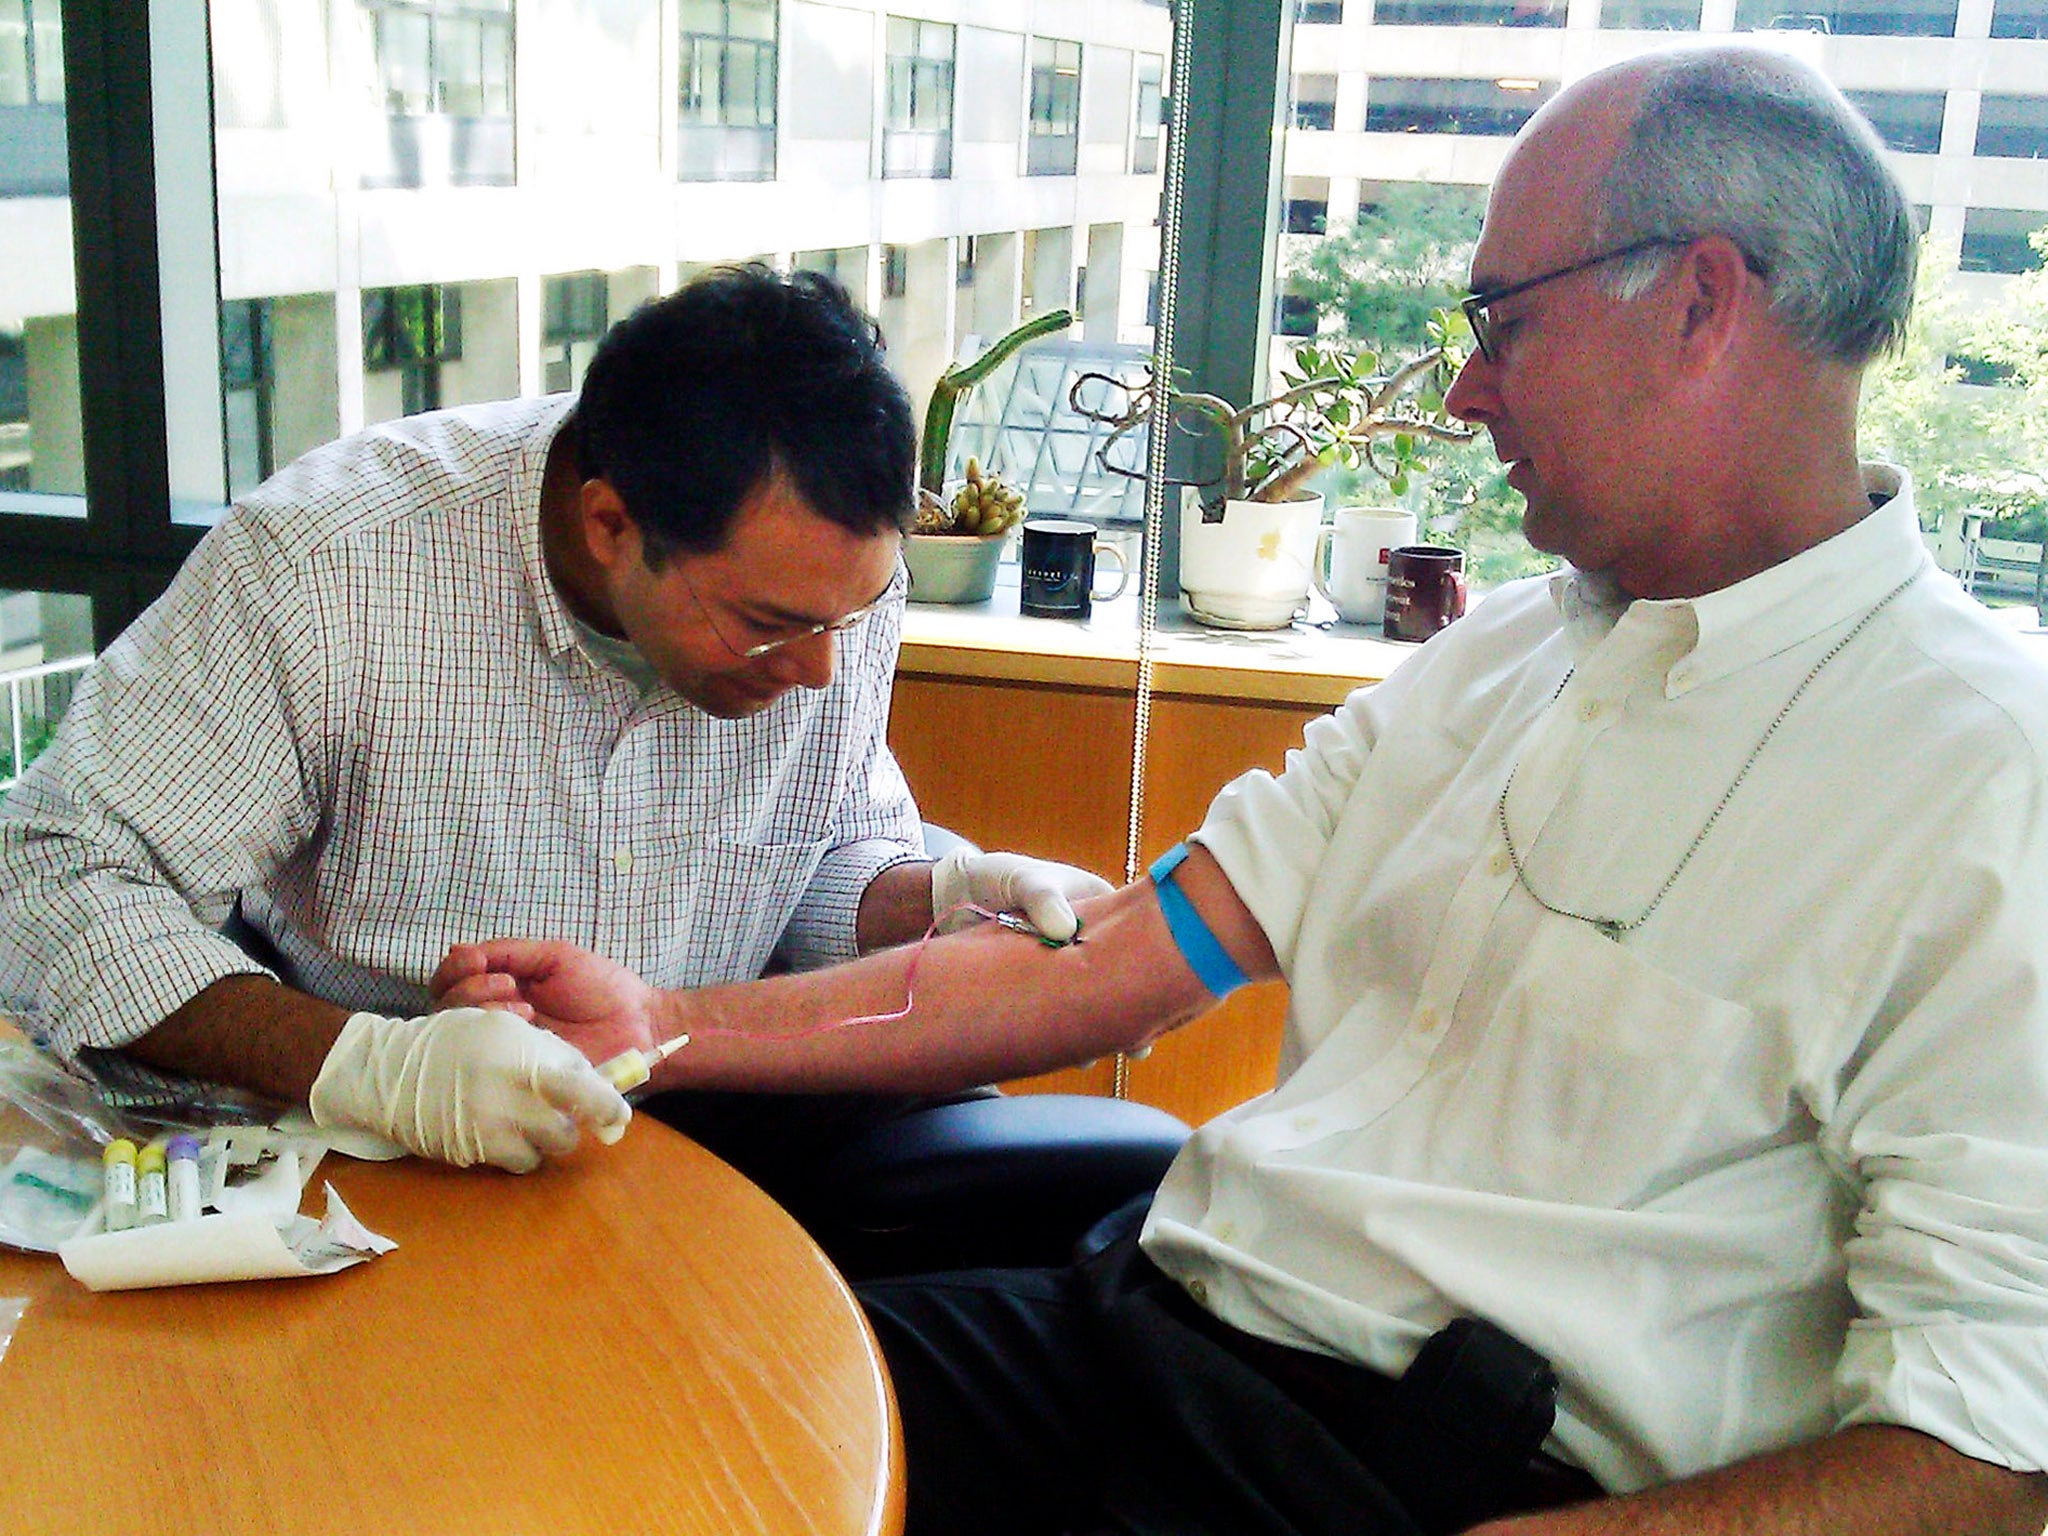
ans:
(463, 1086)
(564, 1078)
(1009, 882)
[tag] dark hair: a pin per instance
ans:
(696, 398)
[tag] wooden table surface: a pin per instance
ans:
(633, 1339)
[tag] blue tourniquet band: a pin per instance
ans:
(1211, 964)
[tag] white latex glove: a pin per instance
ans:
(1008, 882)
(465, 1085)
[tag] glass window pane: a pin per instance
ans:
(404, 55)
(45, 646)
(48, 38)
(16, 89)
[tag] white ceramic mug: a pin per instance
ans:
(1351, 560)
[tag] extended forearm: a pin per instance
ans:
(250, 1031)
(986, 1004)
(1874, 1480)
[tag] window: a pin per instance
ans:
(967, 252)
(1470, 13)
(1307, 207)
(575, 311)
(446, 75)
(1995, 239)
(727, 72)
(1151, 114)
(917, 130)
(1852, 18)
(33, 157)
(413, 332)
(1484, 107)
(1650, 15)
(1909, 122)
(246, 368)
(895, 271)
(1319, 12)
(2013, 127)
(2019, 18)
(1315, 102)
(1054, 145)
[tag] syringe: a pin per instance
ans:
(631, 1068)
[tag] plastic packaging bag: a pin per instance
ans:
(53, 1125)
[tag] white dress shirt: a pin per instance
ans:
(1775, 1161)
(362, 709)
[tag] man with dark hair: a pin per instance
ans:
(1660, 1140)
(614, 668)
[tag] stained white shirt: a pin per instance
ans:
(362, 710)
(1773, 1162)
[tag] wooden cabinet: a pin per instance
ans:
(1045, 768)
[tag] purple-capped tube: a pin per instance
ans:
(183, 1176)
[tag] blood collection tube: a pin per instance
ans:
(183, 1152)
(152, 1205)
(119, 1161)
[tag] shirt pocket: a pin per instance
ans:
(1601, 1073)
(731, 901)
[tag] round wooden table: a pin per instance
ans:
(633, 1339)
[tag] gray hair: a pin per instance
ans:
(1751, 145)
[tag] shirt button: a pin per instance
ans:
(1500, 863)
(622, 861)
(1199, 1291)
(1429, 1021)
(1592, 709)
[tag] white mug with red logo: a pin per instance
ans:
(1351, 560)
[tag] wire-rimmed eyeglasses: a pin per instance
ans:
(1479, 307)
(796, 636)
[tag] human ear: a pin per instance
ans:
(1715, 280)
(608, 528)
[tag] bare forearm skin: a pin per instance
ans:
(1872, 1480)
(989, 1004)
(249, 1031)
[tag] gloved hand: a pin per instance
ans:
(465, 1085)
(1009, 882)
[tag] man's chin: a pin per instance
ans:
(731, 703)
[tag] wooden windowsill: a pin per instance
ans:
(1308, 663)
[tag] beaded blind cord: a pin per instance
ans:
(1615, 927)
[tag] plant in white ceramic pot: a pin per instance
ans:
(1248, 536)
(956, 540)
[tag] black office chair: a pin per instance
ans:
(996, 1180)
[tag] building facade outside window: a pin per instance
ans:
(727, 78)
(33, 155)
(2013, 127)
(917, 126)
(1054, 144)
(575, 311)
(444, 71)
(247, 371)
(1849, 18)
(413, 332)
(1151, 114)
(1488, 108)
(2019, 18)
(1909, 122)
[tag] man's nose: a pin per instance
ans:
(1473, 396)
(809, 663)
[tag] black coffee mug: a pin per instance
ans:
(1425, 590)
(1058, 579)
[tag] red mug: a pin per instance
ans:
(1425, 590)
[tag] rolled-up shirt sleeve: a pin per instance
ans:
(1943, 1120)
(875, 825)
(178, 774)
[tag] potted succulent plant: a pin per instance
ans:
(957, 538)
(1248, 537)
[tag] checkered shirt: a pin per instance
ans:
(361, 715)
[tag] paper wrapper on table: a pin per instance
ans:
(246, 1245)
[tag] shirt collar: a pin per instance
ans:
(1822, 588)
(557, 629)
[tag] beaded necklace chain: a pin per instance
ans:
(1615, 927)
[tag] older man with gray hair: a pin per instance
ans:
(1660, 1140)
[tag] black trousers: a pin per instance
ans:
(1097, 1399)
